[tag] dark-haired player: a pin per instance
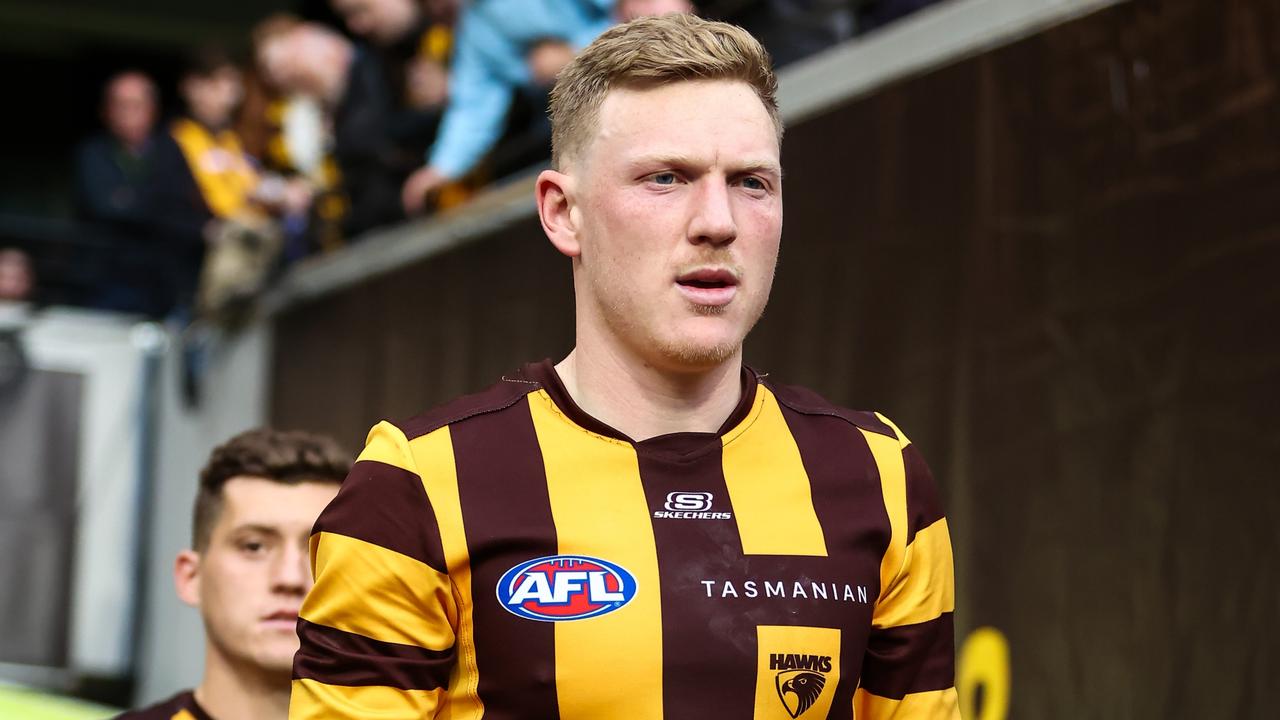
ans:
(647, 529)
(247, 570)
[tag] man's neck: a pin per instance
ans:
(228, 692)
(643, 401)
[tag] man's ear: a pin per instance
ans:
(186, 577)
(556, 210)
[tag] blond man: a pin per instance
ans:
(648, 528)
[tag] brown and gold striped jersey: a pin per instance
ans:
(509, 556)
(182, 706)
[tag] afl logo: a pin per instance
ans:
(565, 587)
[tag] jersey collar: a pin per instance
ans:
(682, 443)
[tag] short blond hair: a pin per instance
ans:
(649, 52)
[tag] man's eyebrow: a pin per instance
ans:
(665, 159)
(255, 528)
(767, 167)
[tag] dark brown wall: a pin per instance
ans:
(1057, 265)
(403, 342)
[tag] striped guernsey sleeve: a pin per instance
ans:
(378, 629)
(909, 668)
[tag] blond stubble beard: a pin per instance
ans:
(689, 354)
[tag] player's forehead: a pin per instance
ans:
(685, 118)
(262, 503)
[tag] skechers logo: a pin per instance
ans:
(688, 501)
(559, 588)
(689, 506)
(800, 681)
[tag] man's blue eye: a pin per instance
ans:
(752, 183)
(665, 178)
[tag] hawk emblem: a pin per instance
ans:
(799, 690)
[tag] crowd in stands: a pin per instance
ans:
(323, 133)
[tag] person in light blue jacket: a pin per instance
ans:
(491, 61)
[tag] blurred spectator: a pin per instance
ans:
(288, 136)
(289, 133)
(412, 52)
(16, 285)
(16, 278)
(490, 64)
(113, 168)
(125, 179)
(232, 208)
(211, 89)
(311, 59)
(381, 22)
(411, 46)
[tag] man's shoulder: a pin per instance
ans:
(182, 706)
(802, 400)
(504, 394)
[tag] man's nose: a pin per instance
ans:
(292, 570)
(712, 220)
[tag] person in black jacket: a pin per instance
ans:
(125, 180)
(113, 167)
(310, 59)
(411, 46)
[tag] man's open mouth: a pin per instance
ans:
(708, 278)
(708, 286)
